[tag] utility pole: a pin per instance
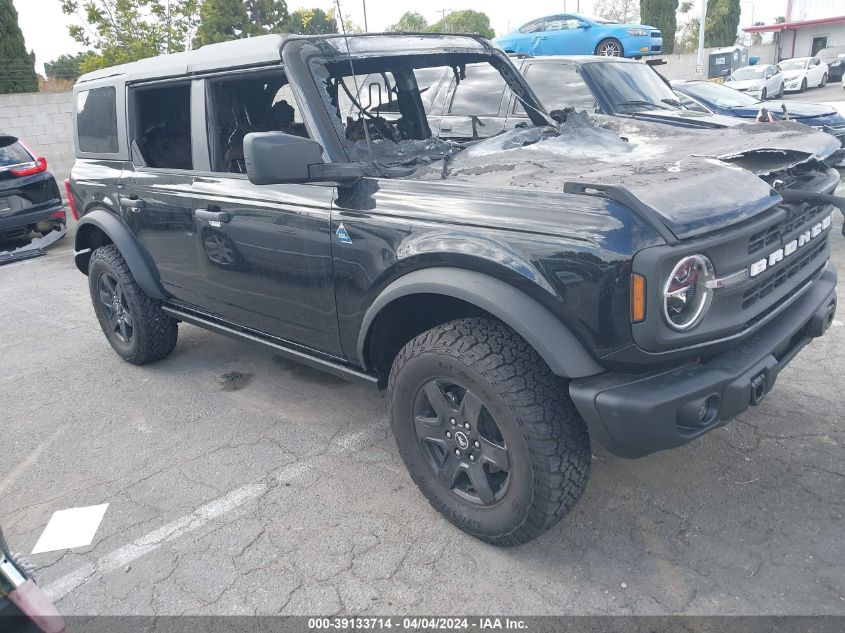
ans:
(443, 12)
(366, 28)
(699, 66)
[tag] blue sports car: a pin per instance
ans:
(575, 34)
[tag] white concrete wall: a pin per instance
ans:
(43, 120)
(683, 66)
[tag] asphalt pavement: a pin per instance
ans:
(240, 482)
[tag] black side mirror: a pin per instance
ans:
(275, 158)
(5, 140)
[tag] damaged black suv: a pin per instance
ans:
(517, 296)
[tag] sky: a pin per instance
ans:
(45, 26)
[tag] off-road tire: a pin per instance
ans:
(154, 332)
(548, 442)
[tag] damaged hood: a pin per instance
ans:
(697, 181)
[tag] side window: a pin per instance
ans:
(244, 104)
(561, 23)
(558, 86)
(532, 27)
(162, 126)
(96, 120)
(480, 93)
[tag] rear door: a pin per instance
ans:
(156, 189)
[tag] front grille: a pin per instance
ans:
(656, 48)
(785, 273)
(800, 217)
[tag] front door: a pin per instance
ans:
(264, 257)
(563, 36)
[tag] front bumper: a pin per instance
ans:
(633, 415)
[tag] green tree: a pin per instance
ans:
(687, 39)
(721, 22)
(18, 66)
(410, 22)
(466, 21)
(222, 20)
(66, 66)
(121, 31)
(311, 22)
(661, 13)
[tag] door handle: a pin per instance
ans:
(213, 214)
(132, 203)
(445, 128)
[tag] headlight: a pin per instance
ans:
(640, 32)
(687, 295)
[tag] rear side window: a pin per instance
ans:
(162, 130)
(13, 154)
(532, 27)
(96, 121)
(480, 93)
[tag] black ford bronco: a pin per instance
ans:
(517, 296)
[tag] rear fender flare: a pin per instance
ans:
(136, 257)
(552, 340)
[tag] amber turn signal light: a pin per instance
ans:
(637, 298)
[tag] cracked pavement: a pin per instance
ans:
(240, 482)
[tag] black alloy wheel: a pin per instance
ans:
(461, 441)
(115, 308)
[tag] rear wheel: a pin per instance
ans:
(134, 324)
(780, 92)
(487, 432)
(824, 81)
(610, 48)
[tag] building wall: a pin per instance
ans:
(815, 9)
(43, 120)
(803, 38)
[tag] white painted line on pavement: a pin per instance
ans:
(171, 531)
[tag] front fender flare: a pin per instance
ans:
(136, 257)
(555, 343)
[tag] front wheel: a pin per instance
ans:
(763, 95)
(803, 85)
(824, 81)
(610, 48)
(780, 91)
(487, 431)
(134, 323)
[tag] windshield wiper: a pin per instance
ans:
(642, 103)
(673, 102)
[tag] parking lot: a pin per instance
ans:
(240, 482)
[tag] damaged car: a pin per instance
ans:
(29, 200)
(588, 279)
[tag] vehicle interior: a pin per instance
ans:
(383, 99)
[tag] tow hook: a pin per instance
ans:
(758, 389)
